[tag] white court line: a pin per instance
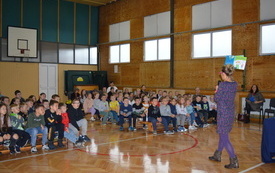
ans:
(253, 167)
(53, 152)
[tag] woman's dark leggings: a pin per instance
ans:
(224, 142)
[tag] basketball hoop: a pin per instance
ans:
(25, 52)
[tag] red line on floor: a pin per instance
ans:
(193, 146)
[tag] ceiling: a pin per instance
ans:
(93, 2)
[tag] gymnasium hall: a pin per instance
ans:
(133, 86)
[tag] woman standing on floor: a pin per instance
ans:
(225, 96)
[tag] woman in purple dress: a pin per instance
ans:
(225, 96)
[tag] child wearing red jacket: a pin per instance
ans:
(68, 133)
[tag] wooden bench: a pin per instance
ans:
(149, 125)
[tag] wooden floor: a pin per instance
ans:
(114, 151)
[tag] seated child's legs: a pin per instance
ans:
(110, 114)
(121, 120)
(51, 132)
(71, 135)
(105, 116)
(200, 114)
(180, 121)
(130, 120)
(33, 132)
(205, 115)
(115, 116)
(23, 137)
(60, 128)
(198, 121)
(154, 122)
(192, 119)
(97, 113)
(134, 116)
(76, 132)
(44, 132)
(84, 125)
(92, 111)
(164, 122)
(174, 121)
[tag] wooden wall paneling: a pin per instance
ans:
(137, 52)
(183, 47)
(246, 37)
(155, 74)
(130, 74)
(263, 72)
(136, 28)
(245, 11)
(19, 76)
(183, 17)
(103, 34)
(155, 6)
(195, 73)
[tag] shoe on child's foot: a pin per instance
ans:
(155, 132)
(134, 129)
(184, 129)
(205, 125)
(44, 147)
(195, 124)
(86, 138)
(92, 119)
(12, 150)
(50, 145)
(131, 128)
(168, 132)
(60, 143)
(17, 149)
(78, 144)
(194, 128)
(121, 129)
(33, 150)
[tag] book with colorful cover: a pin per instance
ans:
(238, 61)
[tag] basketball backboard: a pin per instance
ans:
(22, 42)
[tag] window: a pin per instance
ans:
(267, 9)
(81, 54)
(119, 31)
(212, 44)
(66, 53)
(157, 50)
(120, 53)
(267, 39)
(93, 55)
(157, 24)
(212, 14)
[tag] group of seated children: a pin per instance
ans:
(163, 108)
(20, 122)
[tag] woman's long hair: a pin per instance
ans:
(257, 89)
(4, 125)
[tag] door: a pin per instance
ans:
(48, 74)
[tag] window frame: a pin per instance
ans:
(90, 55)
(120, 45)
(260, 46)
(144, 52)
(211, 44)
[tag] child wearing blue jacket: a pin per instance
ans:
(125, 112)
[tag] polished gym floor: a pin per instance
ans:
(111, 150)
